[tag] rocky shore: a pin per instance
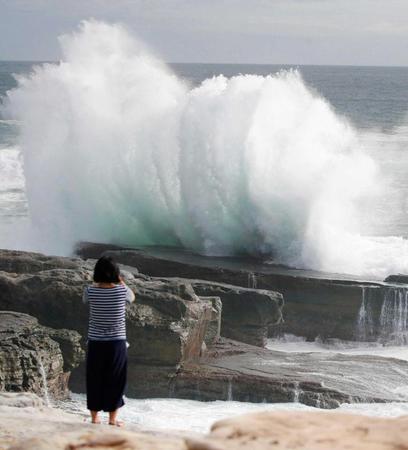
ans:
(189, 338)
(169, 324)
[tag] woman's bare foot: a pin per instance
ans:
(112, 419)
(117, 423)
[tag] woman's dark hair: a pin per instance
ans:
(106, 271)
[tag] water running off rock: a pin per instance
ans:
(383, 315)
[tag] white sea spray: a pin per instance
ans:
(118, 149)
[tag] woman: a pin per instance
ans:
(106, 363)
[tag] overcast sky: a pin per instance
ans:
(358, 32)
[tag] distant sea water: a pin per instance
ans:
(303, 165)
(371, 97)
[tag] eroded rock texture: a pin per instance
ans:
(247, 314)
(36, 358)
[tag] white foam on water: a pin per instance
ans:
(393, 409)
(8, 122)
(195, 416)
(11, 170)
(118, 149)
(180, 415)
(13, 200)
(15, 228)
(295, 344)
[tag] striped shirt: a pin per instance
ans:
(107, 312)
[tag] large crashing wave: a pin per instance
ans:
(118, 149)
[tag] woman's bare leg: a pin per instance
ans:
(94, 417)
(113, 418)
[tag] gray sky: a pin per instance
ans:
(359, 32)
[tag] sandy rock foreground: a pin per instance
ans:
(25, 424)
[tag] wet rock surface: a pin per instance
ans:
(29, 262)
(236, 371)
(398, 278)
(32, 359)
(247, 314)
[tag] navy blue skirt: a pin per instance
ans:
(106, 373)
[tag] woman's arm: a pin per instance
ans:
(130, 296)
